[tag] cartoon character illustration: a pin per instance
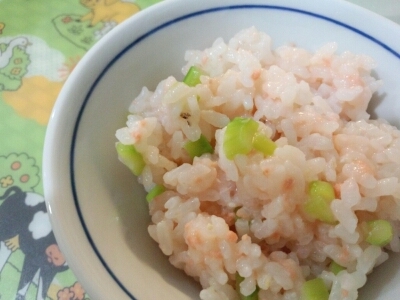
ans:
(14, 63)
(5, 56)
(25, 224)
(18, 170)
(35, 98)
(108, 10)
(72, 29)
(35, 75)
(2, 25)
(84, 31)
(75, 292)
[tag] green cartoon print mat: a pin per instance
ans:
(41, 41)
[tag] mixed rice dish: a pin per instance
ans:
(266, 177)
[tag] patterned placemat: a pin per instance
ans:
(41, 41)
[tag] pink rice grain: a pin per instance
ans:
(220, 218)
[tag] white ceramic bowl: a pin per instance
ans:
(97, 208)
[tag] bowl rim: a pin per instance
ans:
(51, 164)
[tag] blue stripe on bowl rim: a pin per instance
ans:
(148, 34)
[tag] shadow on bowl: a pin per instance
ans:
(382, 279)
(147, 249)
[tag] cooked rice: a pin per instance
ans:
(219, 217)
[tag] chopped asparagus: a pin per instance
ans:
(321, 194)
(263, 144)
(199, 147)
(242, 136)
(314, 289)
(154, 192)
(192, 77)
(239, 136)
(321, 188)
(335, 268)
(131, 158)
(380, 232)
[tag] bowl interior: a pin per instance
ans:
(112, 215)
